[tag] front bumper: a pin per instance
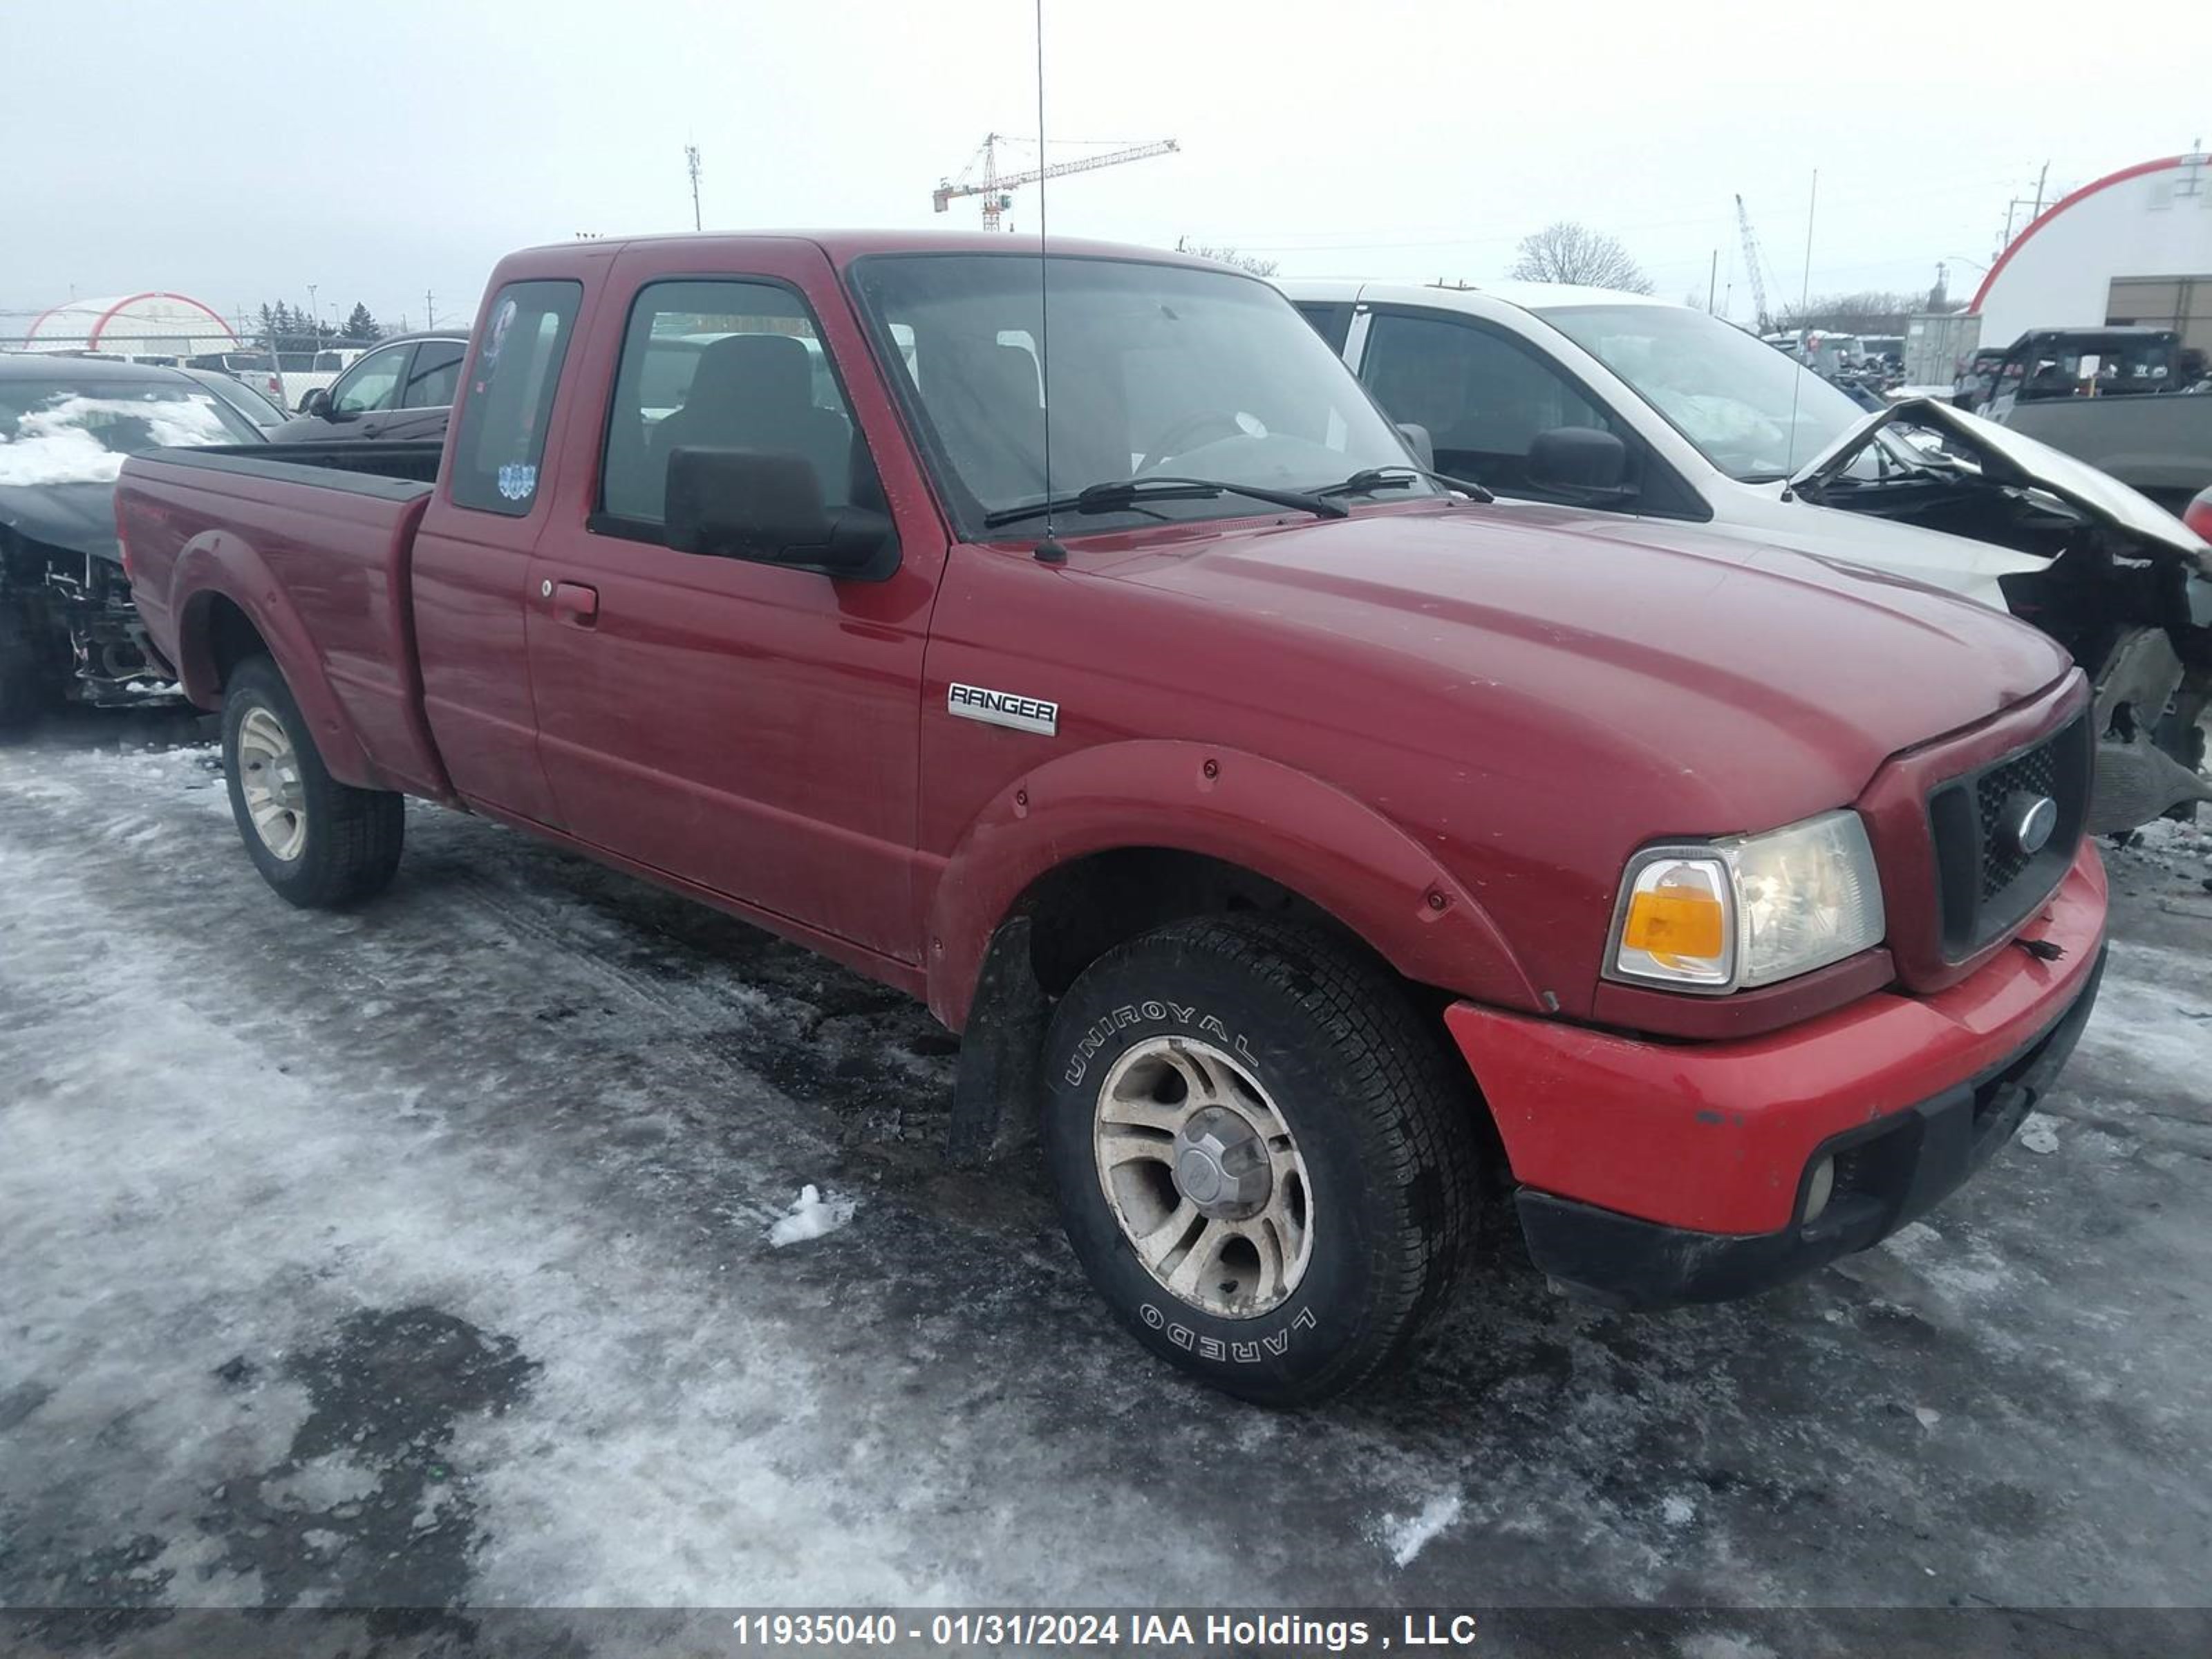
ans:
(1653, 1173)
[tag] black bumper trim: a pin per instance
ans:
(1888, 1172)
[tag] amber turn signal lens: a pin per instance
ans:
(1674, 922)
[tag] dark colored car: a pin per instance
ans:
(404, 389)
(241, 395)
(68, 628)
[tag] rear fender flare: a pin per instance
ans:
(1295, 830)
(218, 563)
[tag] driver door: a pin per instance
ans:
(362, 399)
(751, 730)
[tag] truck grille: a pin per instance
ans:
(2035, 773)
(1987, 881)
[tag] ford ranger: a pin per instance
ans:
(1303, 849)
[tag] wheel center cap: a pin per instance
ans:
(1221, 1164)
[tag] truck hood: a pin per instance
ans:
(1731, 686)
(2006, 458)
(77, 517)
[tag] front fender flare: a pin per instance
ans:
(1298, 831)
(218, 563)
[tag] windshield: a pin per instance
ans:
(1156, 369)
(1755, 413)
(2093, 365)
(243, 397)
(52, 431)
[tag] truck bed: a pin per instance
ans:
(314, 552)
(2160, 443)
(410, 462)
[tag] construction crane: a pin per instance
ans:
(997, 188)
(1753, 262)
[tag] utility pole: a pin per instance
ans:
(1712, 282)
(315, 317)
(430, 310)
(691, 166)
(2012, 207)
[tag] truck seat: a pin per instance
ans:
(756, 392)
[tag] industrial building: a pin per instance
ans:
(148, 325)
(2135, 247)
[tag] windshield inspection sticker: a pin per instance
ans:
(1007, 708)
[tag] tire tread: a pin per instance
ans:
(354, 836)
(1422, 1102)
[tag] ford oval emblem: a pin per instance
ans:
(2029, 821)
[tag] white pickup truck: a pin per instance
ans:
(1588, 398)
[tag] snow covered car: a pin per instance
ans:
(1592, 398)
(68, 628)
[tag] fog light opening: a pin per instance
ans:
(1820, 1188)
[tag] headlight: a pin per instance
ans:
(1726, 915)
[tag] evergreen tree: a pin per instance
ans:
(360, 325)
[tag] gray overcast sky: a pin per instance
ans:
(191, 148)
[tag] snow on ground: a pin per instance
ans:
(1406, 1536)
(811, 1216)
(424, 1254)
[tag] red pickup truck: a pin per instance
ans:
(1305, 849)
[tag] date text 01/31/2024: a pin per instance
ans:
(1167, 1632)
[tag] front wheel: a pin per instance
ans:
(1265, 1159)
(321, 843)
(29, 684)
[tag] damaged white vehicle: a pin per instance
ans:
(1585, 397)
(68, 629)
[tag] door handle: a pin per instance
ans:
(576, 605)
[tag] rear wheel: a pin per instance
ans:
(1264, 1157)
(321, 843)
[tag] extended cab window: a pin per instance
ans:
(512, 381)
(1482, 398)
(722, 364)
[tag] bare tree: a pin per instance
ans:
(1870, 312)
(1568, 252)
(1227, 256)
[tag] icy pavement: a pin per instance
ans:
(425, 1256)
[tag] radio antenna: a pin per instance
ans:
(1804, 298)
(1047, 552)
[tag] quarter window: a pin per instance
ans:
(512, 381)
(1333, 322)
(724, 365)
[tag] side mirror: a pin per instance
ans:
(767, 507)
(315, 401)
(1584, 464)
(1417, 440)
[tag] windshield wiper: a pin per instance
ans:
(1368, 480)
(1124, 493)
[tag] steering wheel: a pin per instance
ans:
(1186, 433)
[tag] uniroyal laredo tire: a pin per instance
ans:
(1379, 1120)
(330, 845)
